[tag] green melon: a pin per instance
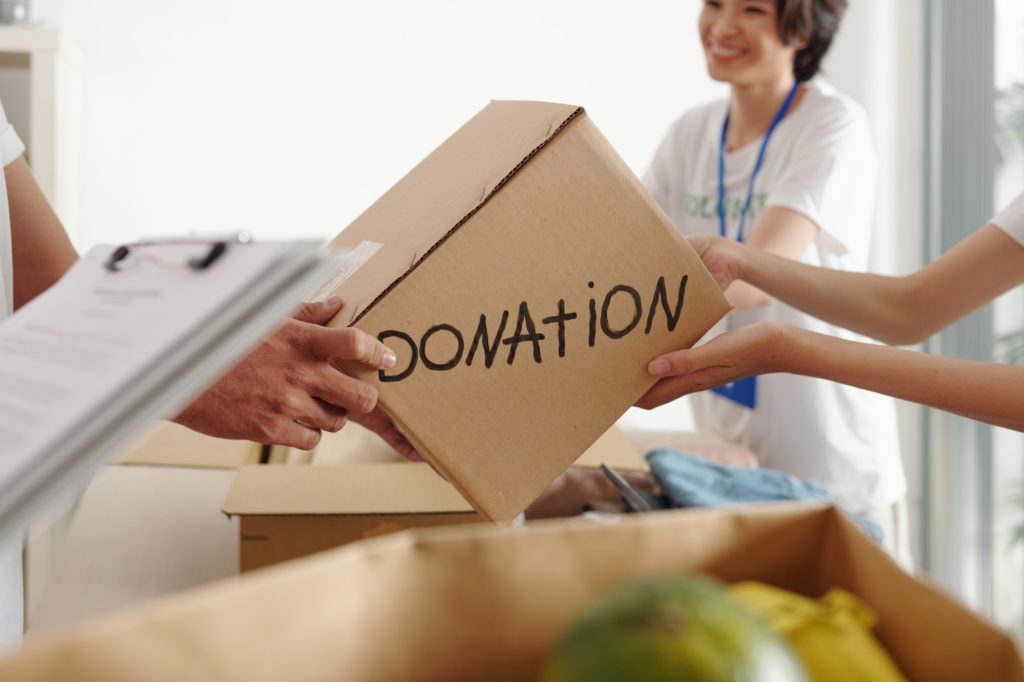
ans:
(678, 629)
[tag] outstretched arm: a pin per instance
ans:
(897, 310)
(988, 392)
(780, 232)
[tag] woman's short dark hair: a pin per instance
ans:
(815, 21)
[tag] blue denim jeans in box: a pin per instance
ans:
(689, 481)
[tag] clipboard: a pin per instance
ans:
(202, 315)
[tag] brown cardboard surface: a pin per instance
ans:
(614, 449)
(441, 191)
(170, 444)
(366, 488)
(563, 230)
(265, 540)
(286, 512)
(484, 603)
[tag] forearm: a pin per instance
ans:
(869, 304)
(897, 310)
(988, 392)
(779, 231)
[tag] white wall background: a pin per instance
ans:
(289, 118)
(292, 117)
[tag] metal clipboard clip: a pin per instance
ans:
(215, 248)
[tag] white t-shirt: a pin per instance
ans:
(11, 598)
(819, 162)
(1011, 219)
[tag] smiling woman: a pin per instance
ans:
(787, 165)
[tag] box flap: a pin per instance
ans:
(615, 450)
(441, 193)
(365, 488)
(170, 444)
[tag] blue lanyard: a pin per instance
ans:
(779, 115)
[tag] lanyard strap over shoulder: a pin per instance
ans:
(779, 115)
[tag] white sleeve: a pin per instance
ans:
(11, 146)
(831, 176)
(1011, 219)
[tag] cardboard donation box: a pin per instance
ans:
(479, 603)
(286, 512)
(289, 511)
(169, 444)
(524, 278)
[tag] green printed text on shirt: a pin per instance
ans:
(704, 207)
